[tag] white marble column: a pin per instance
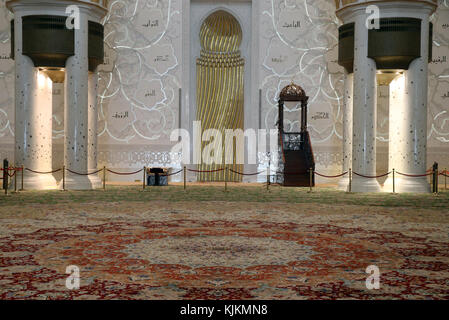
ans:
(364, 112)
(348, 104)
(33, 118)
(76, 111)
(92, 130)
(408, 123)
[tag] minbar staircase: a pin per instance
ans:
(296, 148)
(298, 160)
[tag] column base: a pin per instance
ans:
(97, 183)
(407, 185)
(34, 181)
(343, 183)
(77, 182)
(360, 184)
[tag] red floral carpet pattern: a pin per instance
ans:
(186, 253)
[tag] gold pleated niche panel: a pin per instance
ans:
(220, 94)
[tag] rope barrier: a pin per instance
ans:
(332, 177)
(371, 177)
(428, 173)
(123, 173)
(444, 174)
(84, 174)
(40, 172)
(11, 169)
(414, 175)
(205, 171)
(172, 174)
(246, 174)
(292, 173)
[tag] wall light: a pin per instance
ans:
(40, 79)
(384, 77)
(57, 75)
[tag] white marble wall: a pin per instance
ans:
(139, 85)
(298, 42)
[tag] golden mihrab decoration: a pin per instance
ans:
(220, 95)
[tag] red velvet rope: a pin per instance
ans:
(293, 173)
(415, 175)
(372, 177)
(428, 173)
(39, 172)
(124, 173)
(246, 174)
(200, 171)
(172, 174)
(331, 177)
(84, 174)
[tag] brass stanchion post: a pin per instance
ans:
(394, 182)
(350, 180)
(185, 177)
(5, 175)
(445, 180)
(310, 179)
(268, 179)
(23, 169)
(63, 178)
(269, 175)
(433, 182)
(15, 178)
(104, 177)
(144, 176)
(437, 178)
(226, 179)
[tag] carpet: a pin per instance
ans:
(222, 250)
